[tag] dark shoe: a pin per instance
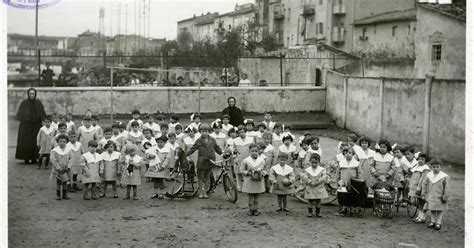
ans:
(318, 213)
(126, 197)
(86, 197)
(279, 210)
(155, 196)
(58, 195)
(250, 213)
(310, 212)
(135, 198)
(65, 197)
(431, 225)
(102, 195)
(286, 210)
(115, 195)
(437, 227)
(27, 161)
(256, 213)
(160, 196)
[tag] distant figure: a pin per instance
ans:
(47, 75)
(179, 82)
(245, 82)
(235, 114)
(262, 83)
(61, 80)
(91, 80)
(134, 81)
(30, 114)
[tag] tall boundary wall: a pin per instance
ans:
(429, 113)
(122, 100)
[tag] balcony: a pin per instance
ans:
(308, 10)
(338, 35)
(220, 30)
(339, 8)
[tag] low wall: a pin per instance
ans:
(394, 109)
(173, 99)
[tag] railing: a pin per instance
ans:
(308, 10)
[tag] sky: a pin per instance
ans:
(72, 17)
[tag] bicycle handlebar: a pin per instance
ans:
(219, 162)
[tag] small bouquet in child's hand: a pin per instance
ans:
(256, 174)
(444, 198)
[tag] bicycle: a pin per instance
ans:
(411, 203)
(230, 188)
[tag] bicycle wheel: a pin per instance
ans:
(230, 189)
(411, 208)
(177, 184)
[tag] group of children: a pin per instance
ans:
(266, 158)
(410, 174)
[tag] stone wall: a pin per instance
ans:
(394, 109)
(173, 99)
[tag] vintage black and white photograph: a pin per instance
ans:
(235, 123)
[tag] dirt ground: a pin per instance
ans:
(36, 219)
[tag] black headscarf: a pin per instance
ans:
(31, 110)
(236, 116)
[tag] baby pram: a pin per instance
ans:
(353, 200)
(384, 198)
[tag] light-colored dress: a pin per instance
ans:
(171, 154)
(188, 143)
(242, 147)
(271, 157)
(172, 127)
(92, 167)
(157, 169)
(398, 173)
(383, 165)
(220, 140)
(252, 185)
(315, 180)
(71, 126)
(278, 174)
(98, 131)
(226, 128)
(435, 186)
(252, 134)
(348, 170)
(76, 151)
(270, 125)
(366, 158)
(44, 138)
(85, 135)
(277, 140)
(61, 160)
(135, 178)
(418, 175)
(112, 165)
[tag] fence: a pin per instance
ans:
(74, 70)
(425, 112)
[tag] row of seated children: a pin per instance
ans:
(402, 169)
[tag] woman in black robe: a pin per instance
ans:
(236, 116)
(30, 114)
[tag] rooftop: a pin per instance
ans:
(453, 10)
(393, 16)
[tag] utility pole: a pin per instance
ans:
(36, 44)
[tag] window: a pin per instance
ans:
(320, 28)
(436, 52)
(408, 30)
(364, 32)
(287, 41)
(289, 13)
(375, 29)
(321, 2)
(394, 31)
